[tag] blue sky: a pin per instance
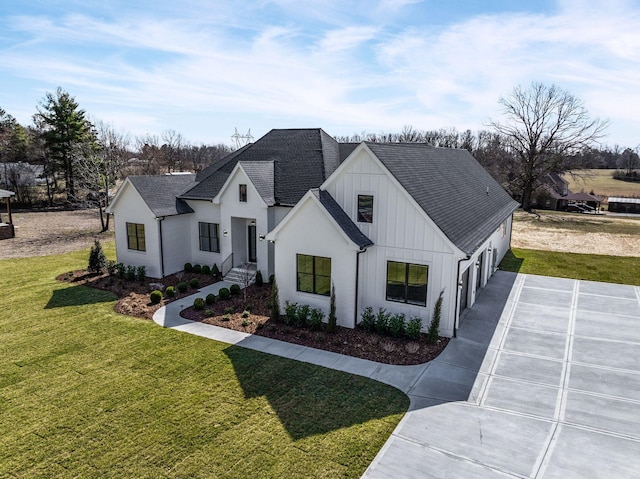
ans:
(203, 68)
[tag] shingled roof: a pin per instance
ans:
(160, 193)
(342, 218)
(457, 193)
(302, 159)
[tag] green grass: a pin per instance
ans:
(601, 183)
(609, 269)
(85, 392)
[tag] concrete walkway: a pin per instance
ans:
(543, 380)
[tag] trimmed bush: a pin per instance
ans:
(210, 299)
(290, 313)
(382, 321)
(434, 326)
(197, 268)
(170, 291)
(224, 293)
(228, 310)
(274, 303)
(121, 269)
(155, 296)
(332, 322)
(397, 325)
(97, 259)
(302, 315)
(206, 269)
(259, 280)
(198, 304)
(315, 319)
(413, 328)
(234, 289)
(130, 273)
(182, 287)
(245, 314)
(194, 283)
(272, 279)
(112, 267)
(141, 273)
(214, 270)
(368, 319)
(188, 267)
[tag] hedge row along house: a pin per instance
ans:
(385, 225)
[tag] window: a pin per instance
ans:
(209, 238)
(365, 209)
(314, 274)
(407, 283)
(135, 237)
(243, 193)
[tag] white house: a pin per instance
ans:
(387, 225)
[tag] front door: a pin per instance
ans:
(251, 244)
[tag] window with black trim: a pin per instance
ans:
(365, 208)
(314, 274)
(407, 283)
(135, 237)
(209, 237)
(243, 193)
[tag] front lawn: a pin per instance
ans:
(86, 392)
(591, 267)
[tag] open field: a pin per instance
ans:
(601, 183)
(86, 392)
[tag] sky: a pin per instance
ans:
(204, 68)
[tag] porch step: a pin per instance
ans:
(239, 275)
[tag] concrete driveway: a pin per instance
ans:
(543, 380)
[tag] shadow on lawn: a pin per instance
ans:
(309, 399)
(511, 262)
(78, 296)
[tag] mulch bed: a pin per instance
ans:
(133, 300)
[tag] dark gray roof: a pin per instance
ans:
(261, 175)
(342, 218)
(160, 193)
(302, 159)
(457, 193)
(346, 149)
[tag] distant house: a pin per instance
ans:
(624, 205)
(551, 193)
(385, 225)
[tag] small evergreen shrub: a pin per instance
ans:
(413, 328)
(224, 293)
(245, 314)
(121, 269)
(197, 268)
(112, 267)
(274, 303)
(214, 270)
(259, 280)
(302, 315)
(182, 287)
(198, 304)
(368, 319)
(249, 307)
(434, 326)
(382, 321)
(170, 291)
(141, 273)
(332, 322)
(397, 325)
(97, 259)
(188, 267)
(210, 299)
(208, 313)
(155, 296)
(194, 283)
(272, 279)
(234, 289)
(315, 319)
(226, 317)
(130, 274)
(290, 313)
(228, 310)
(245, 323)
(206, 269)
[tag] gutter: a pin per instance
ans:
(456, 318)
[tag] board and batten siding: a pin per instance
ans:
(177, 232)
(206, 212)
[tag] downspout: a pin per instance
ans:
(355, 310)
(161, 247)
(456, 319)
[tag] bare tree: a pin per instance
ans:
(543, 126)
(171, 149)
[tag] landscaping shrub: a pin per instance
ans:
(315, 319)
(97, 259)
(197, 268)
(206, 269)
(259, 280)
(382, 321)
(224, 293)
(302, 315)
(170, 292)
(228, 310)
(214, 270)
(332, 322)
(210, 299)
(121, 269)
(397, 325)
(245, 314)
(112, 267)
(226, 317)
(434, 326)
(182, 287)
(413, 328)
(130, 273)
(274, 303)
(155, 296)
(141, 273)
(188, 267)
(234, 289)
(208, 313)
(272, 279)
(194, 283)
(198, 304)
(290, 313)
(368, 319)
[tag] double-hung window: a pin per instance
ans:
(243, 193)
(209, 237)
(313, 274)
(365, 209)
(407, 283)
(135, 237)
